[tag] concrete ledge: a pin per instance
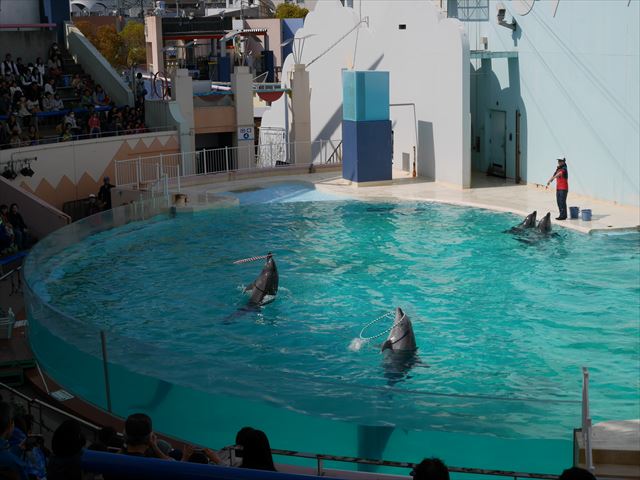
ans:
(371, 184)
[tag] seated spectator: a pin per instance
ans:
(29, 448)
(47, 102)
(206, 456)
(15, 90)
(66, 445)
(78, 84)
(25, 79)
(23, 111)
(20, 229)
(33, 105)
(20, 66)
(34, 93)
(8, 67)
(430, 469)
(86, 100)
(576, 473)
(33, 136)
(5, 103)
(94, 125)
(140, 440)
(92, 205)
(15, 140)
(67, 134)
(57, 103)
(12, 125)
(34, 75)
(140, 128)
(54, 67)
(70, 120)
(100, 97)
(50, 87)
(9, 463)
(41, 67)
(256, 451)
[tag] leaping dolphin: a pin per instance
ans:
(264, 288)
(544, 226)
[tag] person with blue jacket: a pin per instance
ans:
(10, 465)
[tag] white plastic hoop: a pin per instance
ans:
(252, 259)
(388, 314)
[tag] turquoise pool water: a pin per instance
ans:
(503, 327)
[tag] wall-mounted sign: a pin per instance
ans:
(245, 133)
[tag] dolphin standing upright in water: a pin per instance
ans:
(401, 337)
(528, 222)
(544, 225)
(400, 349)
(264, 288)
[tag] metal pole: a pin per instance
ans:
(178, 178)
(161, 165)
(586, 421)
(139, 173)
(413, 174)
(226, 157)
(103, 341)
(204, 160)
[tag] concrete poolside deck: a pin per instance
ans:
(487, 192)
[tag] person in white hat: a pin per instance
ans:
(92, 206)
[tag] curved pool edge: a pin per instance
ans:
(506, 198)
(408, 198)
(502, 197)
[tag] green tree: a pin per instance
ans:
(132, 36)
(290, 10)
(110, 45)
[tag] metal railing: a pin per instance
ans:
(36, 407)
(142, 172)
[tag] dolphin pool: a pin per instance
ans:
(503, 327)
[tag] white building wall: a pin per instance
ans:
(577, 86)
(19, 11)
(428, 64)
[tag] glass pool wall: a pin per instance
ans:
(70, 352)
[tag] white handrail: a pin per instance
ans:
(145, 171)
(586, 421)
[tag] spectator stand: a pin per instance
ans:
(74, 92)
(156, 469)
